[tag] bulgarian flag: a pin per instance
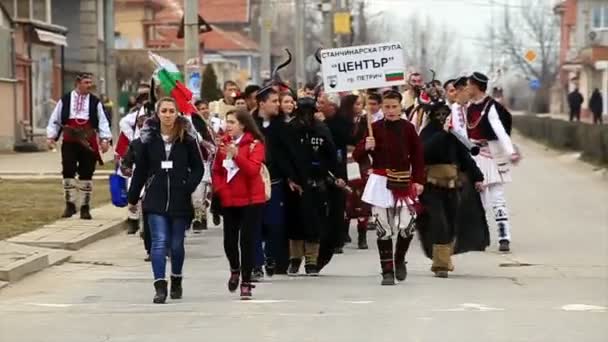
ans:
(171, 80)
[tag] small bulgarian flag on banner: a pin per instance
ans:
(171, 80)
(394, 76)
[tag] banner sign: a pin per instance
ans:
(362, 67)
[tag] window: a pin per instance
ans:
(23, 9)
(599, 17)
(40, 10)
(8, 6)
(6, 55)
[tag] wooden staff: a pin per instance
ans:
(370, 131)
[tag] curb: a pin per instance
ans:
(21, 268)
(54, 243)
(50, 236)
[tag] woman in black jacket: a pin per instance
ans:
(170, 166)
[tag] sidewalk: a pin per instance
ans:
(36, 164)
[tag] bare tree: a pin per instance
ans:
(133, 67)
(427, 44)
(531, 26)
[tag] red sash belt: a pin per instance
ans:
(88, 132)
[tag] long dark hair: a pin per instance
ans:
(245, 119)
(347, 107)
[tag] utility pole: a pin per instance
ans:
(191, 43)
(328, 30)
(491, 38)
(110, 81)
(300, 55)
(265, 33)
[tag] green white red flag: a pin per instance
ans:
(172, 82)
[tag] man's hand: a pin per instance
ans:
(132, 208)
(51, 143)
(320, 116)
(448, 123)
(295, 187)
(515, 158)
(127, 172)
(340, 183)
(419, 188)
(479, 186)
(370, 143)
(105, 145)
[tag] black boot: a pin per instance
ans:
(246, 291)
(217, 219)
(70, 210)
(294, 267)
(85, 213)
(233, 281)
(161, 291)
(385, 250)
(403, 244)
(176, 287)
(362, 243)
(504, 246)
(270, 268)
(132, 226)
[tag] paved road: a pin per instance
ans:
(561, 231)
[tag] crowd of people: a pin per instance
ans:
(287, 171)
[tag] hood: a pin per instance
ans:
(151, 128)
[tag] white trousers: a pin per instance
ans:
(390, 221)
(494, 197)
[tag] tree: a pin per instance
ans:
(209, 88)
(427, 44)
(534, 27)
(133, 67)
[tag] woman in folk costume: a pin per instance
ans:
(445, 157)
(396, 179)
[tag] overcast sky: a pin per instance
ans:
(468, 19)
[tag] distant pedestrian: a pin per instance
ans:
(596, 105)
(170, 166)
(575, 102)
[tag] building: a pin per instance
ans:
(583, 49)
(33, 65)
(153, 24)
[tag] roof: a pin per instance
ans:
(151, 3)
(214, 11)
(220, 40)
(215, 40)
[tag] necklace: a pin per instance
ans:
(476, 123)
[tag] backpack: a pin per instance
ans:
(264, 174)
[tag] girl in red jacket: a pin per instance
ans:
(239, 185)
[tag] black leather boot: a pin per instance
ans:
(161, 291)
(362, 241)
(176, 287)
(85, 213)
(401, 248)
(70, 210)
(132, 226)
(385, 250)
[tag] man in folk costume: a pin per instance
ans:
(206, 138)
(445, 157)
(397, 177)
(130, 126)
(489, 126)
(315, 157)
(80, 117)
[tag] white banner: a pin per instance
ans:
(362, 67)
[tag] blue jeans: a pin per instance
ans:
(271, 236)
(167, 232)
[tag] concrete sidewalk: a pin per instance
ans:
(54, 243)
(36, 163)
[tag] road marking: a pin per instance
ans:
(583, 307)
(51, 305)
(265, 301)
(358, 301)
(471, 307)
